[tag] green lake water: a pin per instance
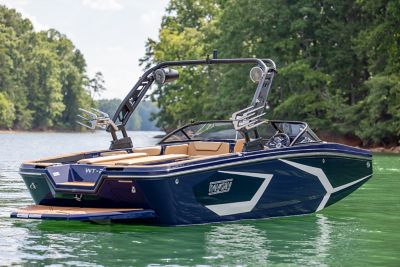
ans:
(361, 230)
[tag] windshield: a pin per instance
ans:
(297, 132)
(204, 131)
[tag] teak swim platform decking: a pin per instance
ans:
(247, 167)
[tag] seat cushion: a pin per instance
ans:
(150, 150)
(111, 153)
(239, 145)
(151, 159)
(176, 149)
(207, 148)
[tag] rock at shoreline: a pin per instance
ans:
(395, 149)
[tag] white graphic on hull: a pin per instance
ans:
(242, 206)
(323, 179)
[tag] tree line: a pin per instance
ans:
(43, 79)
(338, 63)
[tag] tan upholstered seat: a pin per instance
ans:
(41, 164)
(111, 153)
(112, 158)
(207, 148)
(151, 159)
(150, 151)
(176, 149)
(239, 145)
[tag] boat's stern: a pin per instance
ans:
(80, 185)
(79, 192)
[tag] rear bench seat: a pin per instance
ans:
(111, 157)
(151, 159)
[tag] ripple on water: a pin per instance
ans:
(361, 230)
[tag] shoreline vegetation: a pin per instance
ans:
(338, 63)
(338, 66)
(375, 149)
(43, 77)
(44, 80)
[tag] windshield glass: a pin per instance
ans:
(205, 131)
(297, 132)
(292, 129)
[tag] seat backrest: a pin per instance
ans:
(176, 149)
(150, 150)
(207, 148)
(239, 145)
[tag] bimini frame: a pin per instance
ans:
(244, 120)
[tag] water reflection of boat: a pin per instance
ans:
(237, 244)
(244, 168)
(263, 244)
(298, 241)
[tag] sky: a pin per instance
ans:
(111, 34)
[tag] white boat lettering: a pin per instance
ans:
(91, 170)
(219, 187)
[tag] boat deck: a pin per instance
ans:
(82, 214)
(41, 209)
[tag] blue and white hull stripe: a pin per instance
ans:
(242, 206)
(324, 180)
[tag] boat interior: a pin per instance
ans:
(247, 130)
(192, 142)
(152, 155)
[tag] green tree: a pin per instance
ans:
(7, 112)
(42, 74)
(183, 35)
(377, 117)
(96, 85)
(336, 60)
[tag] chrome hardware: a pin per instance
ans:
(78, 197)
(95, 118)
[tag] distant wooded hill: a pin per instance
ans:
(43, 79)
(141, 119)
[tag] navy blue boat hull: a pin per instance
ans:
(242, 186)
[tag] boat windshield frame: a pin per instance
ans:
(277, 125)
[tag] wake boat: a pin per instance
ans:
(246, 167)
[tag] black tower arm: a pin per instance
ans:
(132, 100)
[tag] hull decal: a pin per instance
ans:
(324, 180)
(243, 206)
(336, 189)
